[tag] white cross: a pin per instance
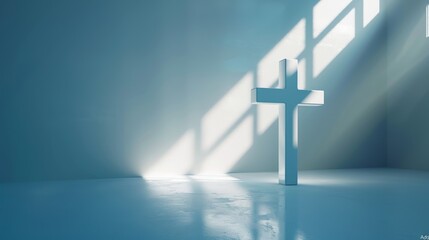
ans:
(289, 96)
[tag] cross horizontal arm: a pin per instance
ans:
(268, 95)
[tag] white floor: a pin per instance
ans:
(331, 204)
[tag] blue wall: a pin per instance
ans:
(93, 89)
(408, 80)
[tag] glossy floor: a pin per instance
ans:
(335, 204)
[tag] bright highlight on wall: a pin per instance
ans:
(226, 112)
(325, 13)
(182, 152)
(228, 129)
(229, 151)
(333, 43)
(427, 20)
(371, 8)
(290, 46)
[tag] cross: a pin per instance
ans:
(289, 96)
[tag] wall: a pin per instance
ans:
(408, 75)
(95, 89)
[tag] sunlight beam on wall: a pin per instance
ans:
(427, 20)
(230, 150)
(178, 160)
(227, 128)
(325, 11)
(302, 65)
(290, 46)
(267, 114)
(371, 8)
(226, 112)
(333, 43)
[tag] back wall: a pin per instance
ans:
(97, 89)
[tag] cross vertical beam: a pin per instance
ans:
(289, 96)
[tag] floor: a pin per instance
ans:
(329, 204)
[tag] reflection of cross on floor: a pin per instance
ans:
(290, 97)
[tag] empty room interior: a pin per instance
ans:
(214, 119)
